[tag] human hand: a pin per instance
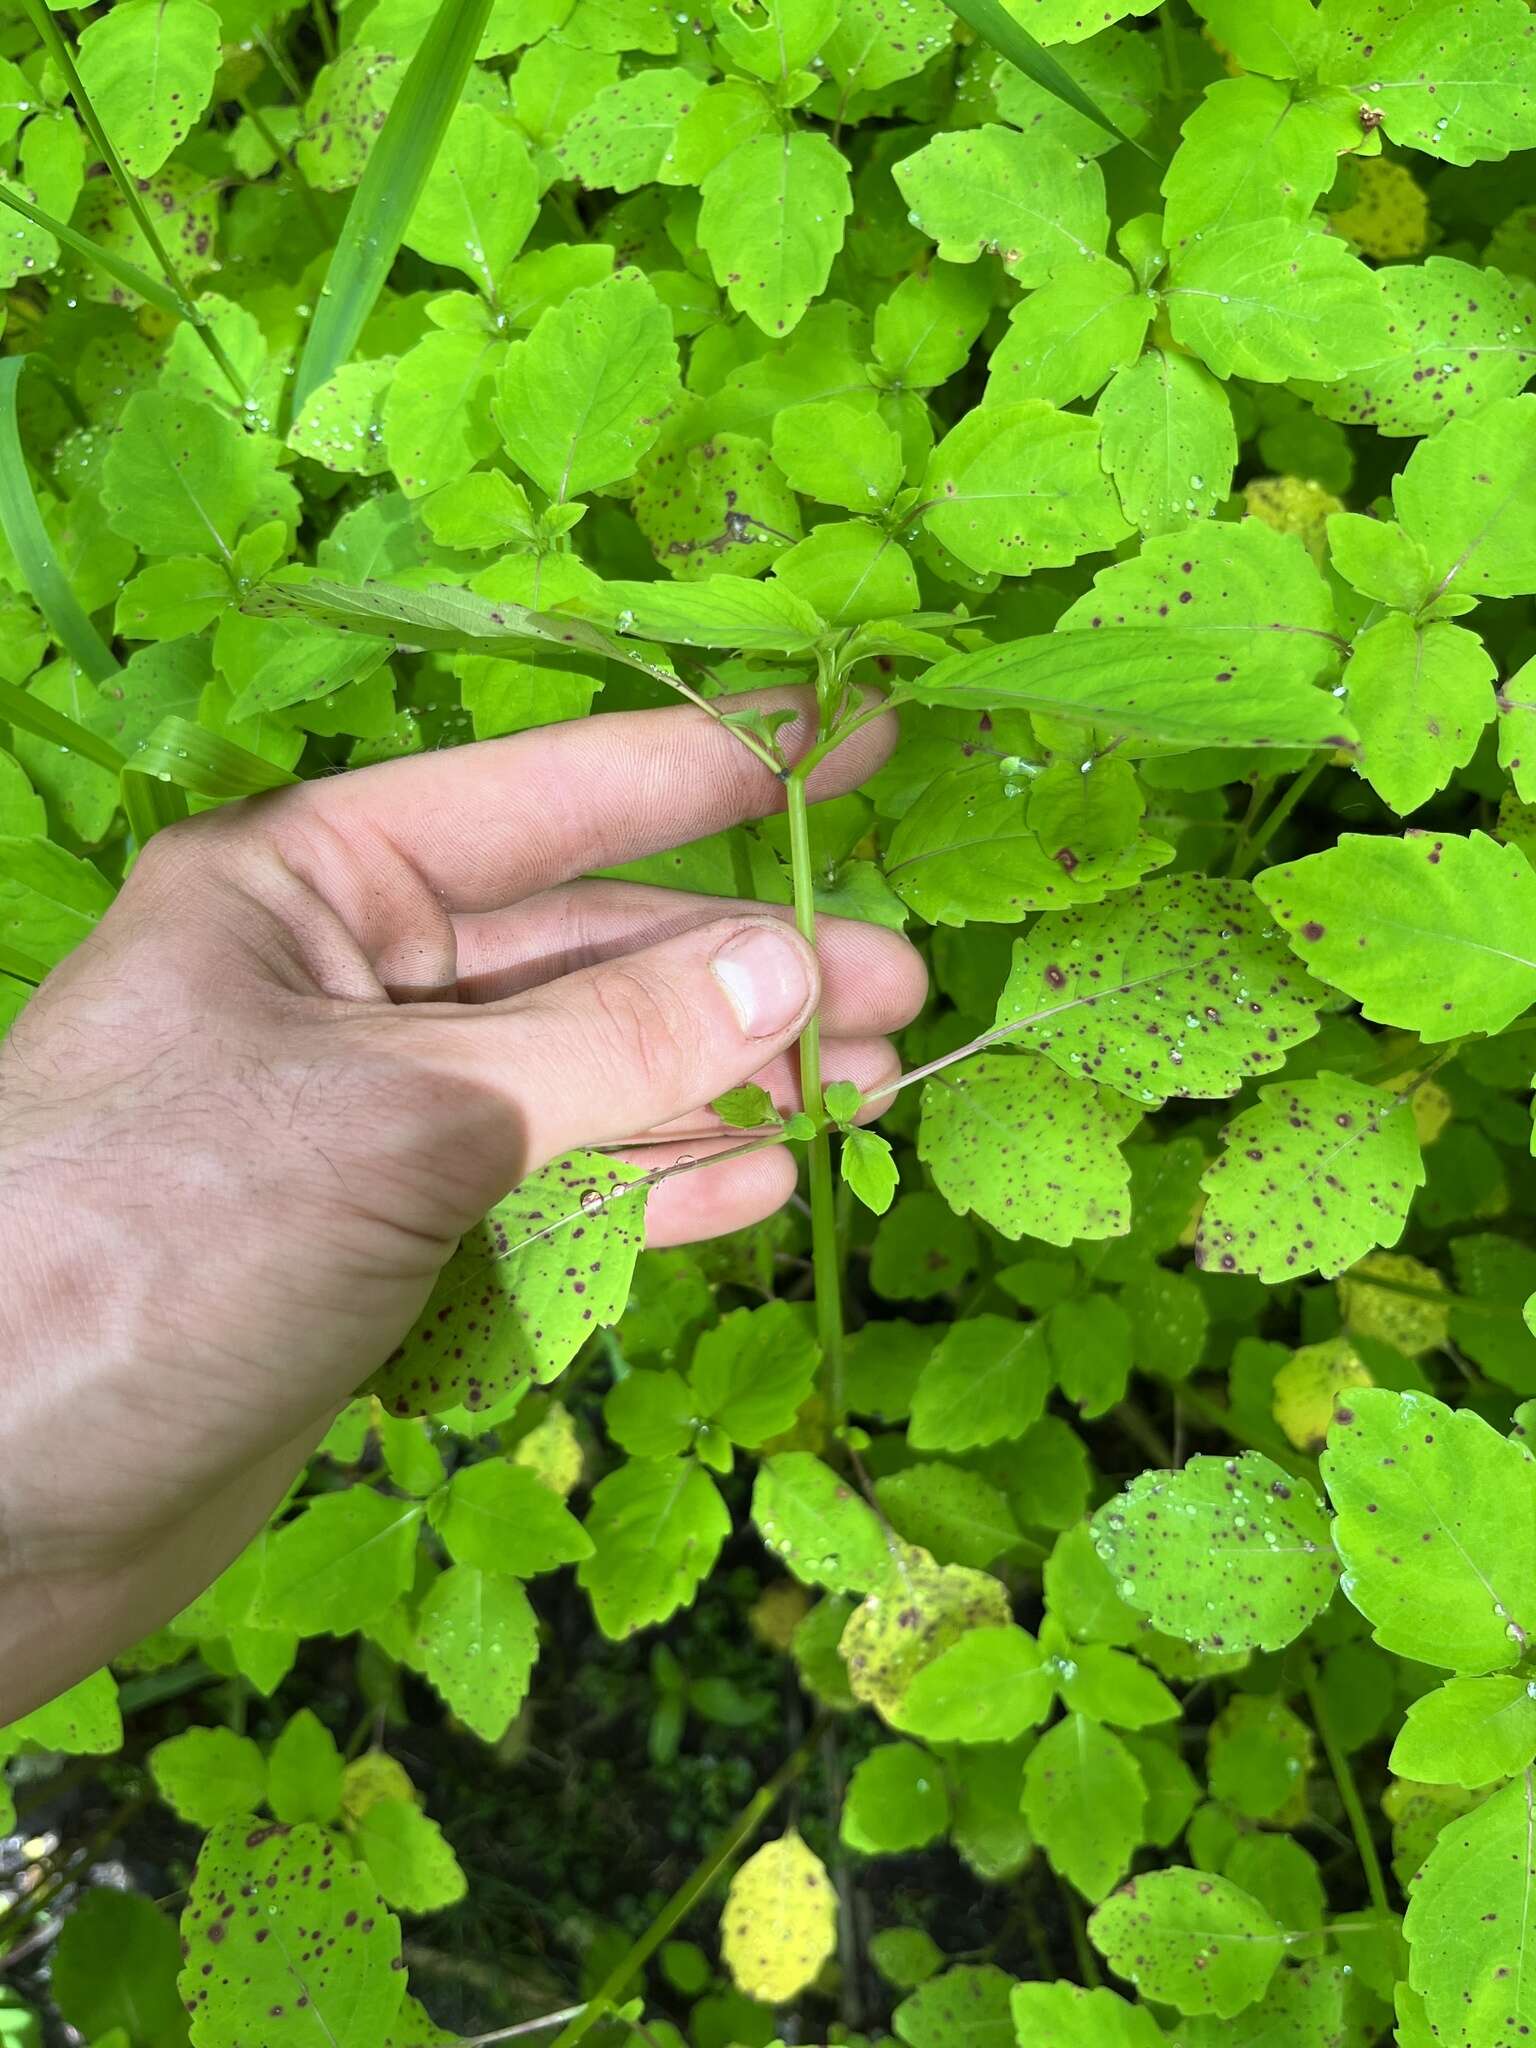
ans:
(320, 1033)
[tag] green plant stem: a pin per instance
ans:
(1246, 856)
(825, 1261)
(1349, 1792)
(285, 163)
(687, 1896)
(56, 43)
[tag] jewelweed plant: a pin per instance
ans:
(1096, 1530)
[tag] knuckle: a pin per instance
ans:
(641, 1027)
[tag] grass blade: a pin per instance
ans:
(997, 28)
(21, 966)
(192, 758)
(150, 804)
(391, 184)
(126, 273)
(29, 543)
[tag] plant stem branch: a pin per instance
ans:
(825, 1260)
(683, 1901)
(1349, 1792)
(1246, 857)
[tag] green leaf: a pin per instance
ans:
(1232, 1553)
(408, 1857)
(1461, 338)
(1470, 1731)
(1168, 441)
(1110, 1687)
(85, 1721)
(816, 1524)
(181, 478)
(1470, 1923)
(1255, 154)
(1178, 987)
(478, 1640)
(1420, 695)
(1466, 496)
(1020, 487)
(1258, 1757)
(1119, 71)
(772, 222)
(480, 198)
(967, 2007)
(986, 1382)
(1396, 56)
(1191, 1940)
(580, 400)
(1028, 1149)
(925, 330)
(1036, 205)
(49, 900)
(1065, 2016)
(716, 611)
(340, 1562)
(1315, 1175)
(393, 180)
(870, 1170)
(656, 1527)
(1435, 1528)
(896, 1800)
(918, 1610)
(436, 417)
(651, 1414)
(304, 1771)
(1091, 1341)
(752, 1371)
(1065, 339)
(1401, 926)
(318, 1945)
(209, 1774)
(501, 1517)
(838, 454)
(622, 138)
(1276, 299)
(115, 1966)
(1085, 1802)
(990, 1686)
(507, 1308)
(148, 67)
(953, 1513)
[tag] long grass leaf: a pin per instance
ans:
(997, 28)
(193, 758)
(21, 966)
(150, 804)
(391, 185)
(29, 714)
(29, 543)
(126, 273)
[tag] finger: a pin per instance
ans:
(714, 1200)
(869, 1063)
(483, 825)
(872, 979)
(632, 1043)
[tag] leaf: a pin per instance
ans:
(967, 2007)
(340, 1562)
(408, 1857)
(1435, 1529)
(1308, 1386)
(716, 611)
(779, 1924)
(1466, 496)
(1469, 1731)
(817, 1525)
(1460, 338)
(1276, 299)
(1178, 987)
(148, 67)
(1020, 487)
(393, 179)
(480, 198)
(1029, 1150)
(209, 1774)
(1259, 1757)
(507, 1308)
(752, 1371)
(870, 1169)
(333, 1946)
(1255, 154)
(1396, 55)
(1085, 1802)
(990, 1686)
(1191, 1940)
(436, 417)
(115, 1966)
(580, 400)
(1232, 1553)
(1470, 1927)
(771, 223)
(304, 1771)
(656, 1527)
(1065, 339)
(49, 900)
(863, 54)
(1401, 926)
(478, 1640)
(987, 1381)
(501, 1517)
(622, 138)
(29, 541)
(180, 478)
(896, 1800)
(1036, 205)
(951, 1512)
(925, 330)
(1315, 1175)
(1168, 441)
(838, 454)
(84, 1721)
(916, 1612)
(1065, 2016)
(1420, 695)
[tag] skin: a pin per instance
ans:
(319, 1034)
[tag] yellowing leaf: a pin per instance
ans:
(1389, 215)
(1384, 1298)
(780, 1921)
(914, 1615)
(1307, 1385)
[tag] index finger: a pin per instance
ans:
(487, 824)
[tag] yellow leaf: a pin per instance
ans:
(1307, 1385)
(913, 1615)
(1372, 1307)
(777, 1612)
(1294, 504)
(551, 1451)
(780, 1921)
(372, 1777)
(1389, 215)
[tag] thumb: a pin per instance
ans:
(608, 1053)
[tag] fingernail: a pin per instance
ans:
(763, 972)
